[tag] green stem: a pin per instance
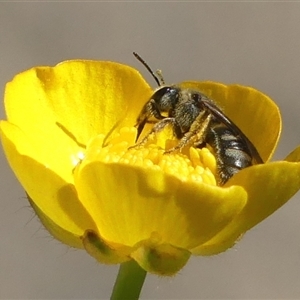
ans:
(129, 281)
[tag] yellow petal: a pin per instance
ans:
(130, 203)
(294, 156)
(48, 109)
(61, 234)
(83, 97)
(268, 186)
(62, 107)
(252, 111)
(55, 198)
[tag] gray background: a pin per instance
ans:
(256, 44)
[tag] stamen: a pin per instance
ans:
(196, 165)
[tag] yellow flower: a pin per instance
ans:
(67, 136)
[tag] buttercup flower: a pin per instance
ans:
(67, 136)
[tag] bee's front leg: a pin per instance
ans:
(158, 127)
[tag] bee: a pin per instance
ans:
(197, 121)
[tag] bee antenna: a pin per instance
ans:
(159, 80)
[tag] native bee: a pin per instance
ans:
(196, 120)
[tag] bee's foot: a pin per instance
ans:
(136, 146)
(172, 150)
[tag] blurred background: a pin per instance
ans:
(251, 43)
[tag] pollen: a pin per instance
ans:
(192, 164)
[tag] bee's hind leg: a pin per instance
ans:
(196, 134)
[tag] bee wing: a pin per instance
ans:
(226, 121)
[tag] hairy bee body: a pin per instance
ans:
(197, 121)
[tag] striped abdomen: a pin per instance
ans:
(231, 151)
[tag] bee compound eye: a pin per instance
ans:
(161, 92)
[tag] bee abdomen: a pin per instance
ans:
(231, 151)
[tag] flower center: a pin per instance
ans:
(192, 164)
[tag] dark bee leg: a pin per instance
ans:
(196, 135)
(159, 126)
(150, 109)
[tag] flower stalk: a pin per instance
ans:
(129, 281)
